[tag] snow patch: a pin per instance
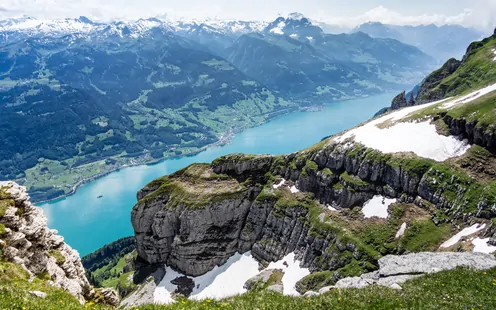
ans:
(279, 28)
(331, 208)
(377, 206)
(465, 232)
(482, 246)
(224, 281)
(293, 189)
(419, 138)
(471, 97)
(228, 280)
(401, 231)
(281, 183)
(292, 273)
(310, 38)
(494, 52)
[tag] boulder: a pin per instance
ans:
(264, 278)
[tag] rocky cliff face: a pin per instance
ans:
(26, 240)
(274, 205)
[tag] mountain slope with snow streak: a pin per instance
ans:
(396, 132)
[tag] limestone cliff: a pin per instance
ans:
(26, 240)
(200, 216)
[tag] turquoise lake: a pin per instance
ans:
(88, 223)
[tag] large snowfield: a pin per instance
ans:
(420, 138)
(229, 279)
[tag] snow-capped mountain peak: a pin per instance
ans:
(296, 25)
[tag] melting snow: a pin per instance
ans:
(224, 281)
(377, 206)
(229, 279)
(420, 138)
(482, 246)
(470, 97)
(279, 184)
(292, 273)
(465, 232)
(401, 231)
(293, 189)
(331, 208)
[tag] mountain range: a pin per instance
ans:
(441, 42)
(81, 98)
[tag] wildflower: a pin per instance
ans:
(442, 284)
(339, 298)
(183, 302)
(485, 272)
(208, 300)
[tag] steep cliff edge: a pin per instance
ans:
(26, 241)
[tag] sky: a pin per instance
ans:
(474, 13)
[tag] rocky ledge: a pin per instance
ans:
(26, 240)
(395, 270)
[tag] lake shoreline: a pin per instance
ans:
(223, 140)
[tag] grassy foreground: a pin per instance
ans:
(458, 289)
(15, 287)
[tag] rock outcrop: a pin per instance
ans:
(27, 241)
(395, 270)
(399, 101)
(268, 279)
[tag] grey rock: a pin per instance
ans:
(141, 296)
(110, 296)
(397, 269)
(278, 288)
(326, 289)
(38, 294)
(433, 262)
(399, 101)
(262, 277)
(310, 294)
(28, 242)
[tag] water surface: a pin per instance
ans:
(87, 222)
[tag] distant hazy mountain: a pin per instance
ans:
(442, 42)
(294, 56)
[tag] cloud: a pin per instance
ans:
(480, 17)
